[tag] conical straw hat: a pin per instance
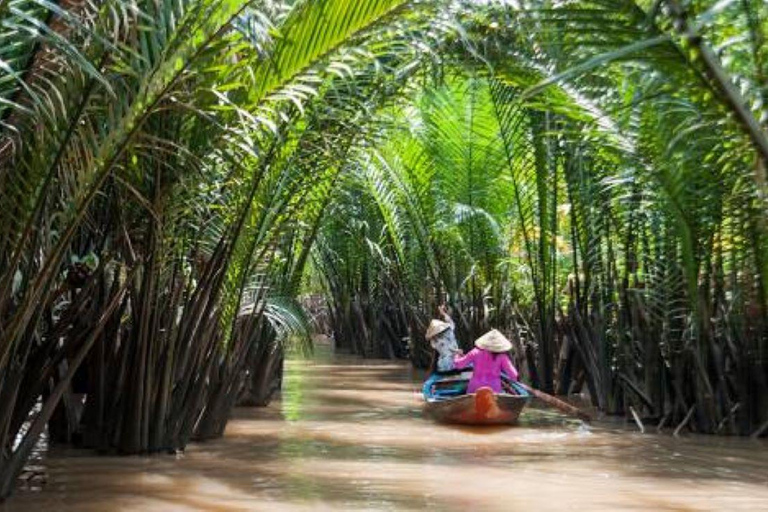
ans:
(436, 327)
(493, 341)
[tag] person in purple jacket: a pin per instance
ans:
(489, 358)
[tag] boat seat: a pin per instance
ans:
(449, 392)
(453, 378)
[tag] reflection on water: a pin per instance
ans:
(349, 435)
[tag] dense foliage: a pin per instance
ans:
(588, 176)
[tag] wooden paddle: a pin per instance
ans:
(557, 403)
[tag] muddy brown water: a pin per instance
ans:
(349, 435)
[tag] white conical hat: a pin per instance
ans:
(493, 341)
(436, 327)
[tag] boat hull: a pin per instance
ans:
(446, 401)
(481, 408)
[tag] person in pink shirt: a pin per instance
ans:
(489, 358)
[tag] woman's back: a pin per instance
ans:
(487, 369)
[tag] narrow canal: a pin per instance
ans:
(349, 435)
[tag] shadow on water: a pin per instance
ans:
(350, 435)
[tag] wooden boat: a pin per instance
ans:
(447, 401)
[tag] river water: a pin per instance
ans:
(349, 435)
